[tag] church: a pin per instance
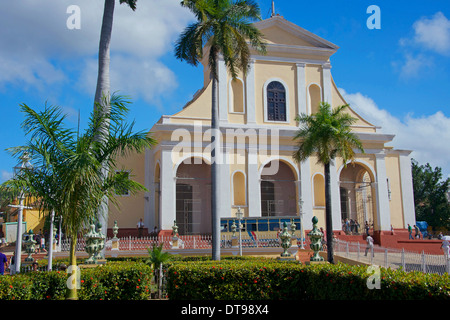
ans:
(257, 174)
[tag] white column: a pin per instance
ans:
(383, 210)
(222, 92)
(250, 94)
(301, 89)
(409, 214)
(326, 78)
(224, 184)
(306, 193)
(253, 183)
(167, 214)
(149, 197)
(335, 203)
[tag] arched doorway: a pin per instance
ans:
(356, 198)
(193, 194)
(278, 191)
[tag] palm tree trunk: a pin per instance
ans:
(50, 241)
(72, 281)
(102, 93)
(215, 143)
(103, 80)
(328, 215)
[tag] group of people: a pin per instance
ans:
(350, 226)
(416, 230)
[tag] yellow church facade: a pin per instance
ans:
(257, 174)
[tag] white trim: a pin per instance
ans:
(362, 162)
(280, 158)
(232, 188)
(231, 97)
(286, 87)
(202, 156)
(250, 94)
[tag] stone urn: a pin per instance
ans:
(93, 245)
(30, 246)
(316, 241)
(285, 237)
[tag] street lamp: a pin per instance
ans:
(239, 215)
(24, 165)
(302, 231)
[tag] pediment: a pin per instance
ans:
(281, 33)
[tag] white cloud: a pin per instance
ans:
(426, 136)
(431, 35)
(6, 175)
(38, 50)
(413, 65)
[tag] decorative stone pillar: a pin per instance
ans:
(175, 239)
(115, 240)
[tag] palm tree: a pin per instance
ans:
(67, 178)
(327, 133)
(102, 92)
(156, 259)
(223, 28)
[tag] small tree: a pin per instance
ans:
(68, 176)
(156, 260)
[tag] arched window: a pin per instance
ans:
(319, 190)
(314, 98)
(276, 101)
(239, 197)
(237, 95)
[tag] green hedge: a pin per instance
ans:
(112, 281)
(265, 279)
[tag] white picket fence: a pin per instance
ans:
(384, 257)
(186, 242)
(393, 258)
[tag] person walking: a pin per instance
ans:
(410, 232)
(367, 228)
(3, 263)
(369, 241)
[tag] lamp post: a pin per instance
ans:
(302, 231)
(239, 215)
(24, 165)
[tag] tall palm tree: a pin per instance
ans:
(67, 178)
(103, 89)
(328, 134)
(223, 28)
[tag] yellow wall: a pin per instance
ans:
(130, 207)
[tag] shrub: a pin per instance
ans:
(277, 280)
(113, 281)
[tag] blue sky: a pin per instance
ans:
(397, 76)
